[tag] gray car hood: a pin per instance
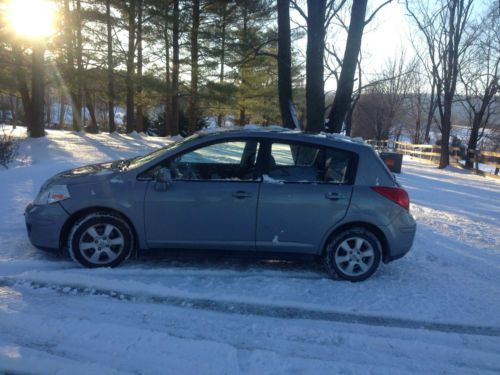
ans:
(85, 174)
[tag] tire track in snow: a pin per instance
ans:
(258, 309)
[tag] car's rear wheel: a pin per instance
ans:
(100, 240)
(354, 255)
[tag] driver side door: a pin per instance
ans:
(211, 202)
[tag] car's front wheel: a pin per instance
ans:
(100, 240)
(353, 255)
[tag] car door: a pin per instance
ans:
(211, 201)
(306, 189)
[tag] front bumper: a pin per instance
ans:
(44, 225)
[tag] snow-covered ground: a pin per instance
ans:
(434, 311)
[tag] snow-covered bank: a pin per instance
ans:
(193, 315)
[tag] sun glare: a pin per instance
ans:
(31, 18)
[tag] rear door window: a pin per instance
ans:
(294, 162)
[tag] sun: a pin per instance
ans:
(31, 18)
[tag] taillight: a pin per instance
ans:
(395, 194)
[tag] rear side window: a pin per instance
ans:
(289, 162)
(338, 166)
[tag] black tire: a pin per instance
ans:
(101, 250)
(348, 255)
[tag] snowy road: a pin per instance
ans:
(435, 310)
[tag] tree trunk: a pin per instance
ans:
(77, 124)
(37, 93)
(430, 113)
(13, 110)
(242, 119)
(418, 120)
(479, 118)
(168, 101)
(89, 101)
(72, 81)
(48, 109)
(62, 109)
(22, 86)
(140, 107)
(348, 119)
(222, 55)
(472, 144)
(174, 114)
(111, 76)
(343, 95)
(284, 63)
(444, 158)
(458, 14)
(130, 67)
(193, 100)
(315, 90)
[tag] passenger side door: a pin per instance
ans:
(211, 202)
(306, 190)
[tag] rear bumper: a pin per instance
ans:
(400, 238)
(402, 243)
(44, 225)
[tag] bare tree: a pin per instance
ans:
(381, 111)
(345, 84)
(443, 28)
(416, 106)
(480, 78)
(343, 96)
(320, 14)
(425, 62)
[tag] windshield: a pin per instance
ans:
(141, 160)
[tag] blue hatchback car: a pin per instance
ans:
(252, 190)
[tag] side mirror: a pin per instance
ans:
(163, 179)
(164, 175)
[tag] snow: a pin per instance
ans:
(433, 311)
(488, 168)
(268, 179)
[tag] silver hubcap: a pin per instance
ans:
(101, 243)
(354, 256)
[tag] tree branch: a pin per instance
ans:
(372, 16)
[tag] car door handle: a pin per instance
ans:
(240, 194)
(334, 196)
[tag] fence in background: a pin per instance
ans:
(432, 152)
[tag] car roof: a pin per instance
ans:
(279, 132)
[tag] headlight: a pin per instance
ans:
(52, 194)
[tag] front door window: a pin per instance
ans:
(232, 160)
